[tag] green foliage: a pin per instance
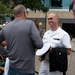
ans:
(10, 7)
(71, 7)
(44, 9)
(3, 8)
(6, 7)
(33, 5)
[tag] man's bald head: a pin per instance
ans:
(19, 9)
(54, 15)
(53, 20)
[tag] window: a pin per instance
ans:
(56, 3)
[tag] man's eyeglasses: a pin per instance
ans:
(50, 18)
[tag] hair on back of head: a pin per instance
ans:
(19, 9)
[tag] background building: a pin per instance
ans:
(61, 7)
(56, 4)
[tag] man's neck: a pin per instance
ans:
(54, 28)
(20, 17)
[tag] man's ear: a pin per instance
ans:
(25, 14)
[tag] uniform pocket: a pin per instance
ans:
(45, 40)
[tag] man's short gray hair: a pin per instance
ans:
(19, 9)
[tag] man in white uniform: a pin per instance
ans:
(54, 37)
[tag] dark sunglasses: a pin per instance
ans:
(50, 18)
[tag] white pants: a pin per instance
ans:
(44, 69)
(6, 66)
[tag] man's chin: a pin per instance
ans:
(50, 25)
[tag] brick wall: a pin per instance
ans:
(40, 14)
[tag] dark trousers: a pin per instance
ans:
(14, 72)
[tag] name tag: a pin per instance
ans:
(56, 38)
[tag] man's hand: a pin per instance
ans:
(3, 43)
(50, 49)
(40, 58)
(68, 51)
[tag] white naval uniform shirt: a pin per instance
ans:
(55, 38)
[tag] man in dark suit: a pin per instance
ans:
(22, 38)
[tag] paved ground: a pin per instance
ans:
(71, 64)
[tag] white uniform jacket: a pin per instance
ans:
(54, 38)
(57, 38)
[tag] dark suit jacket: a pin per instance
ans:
(58, 59)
